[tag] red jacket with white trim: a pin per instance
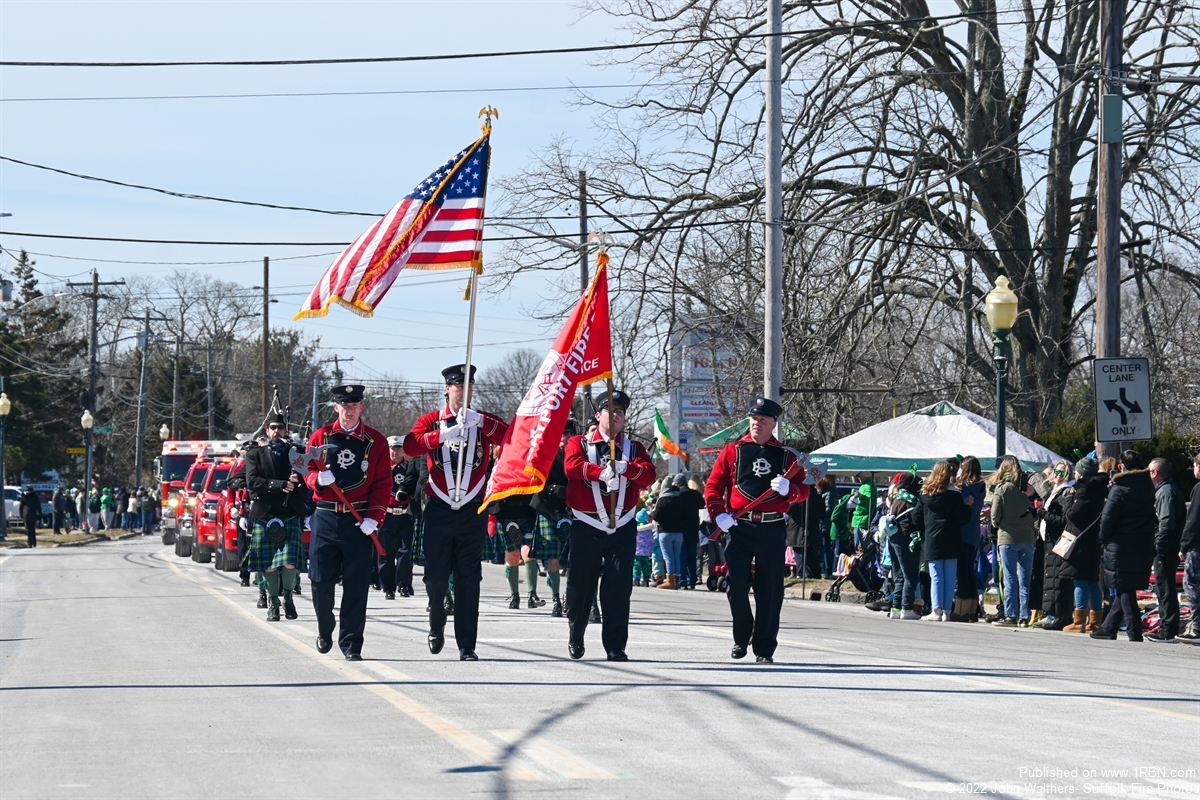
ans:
(422, 440)
(744, 471)
(582, 474)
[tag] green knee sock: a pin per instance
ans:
(531, 575)
(552, 578)
(260, 580)
(291, 579)
(272, 580)
(514, 580)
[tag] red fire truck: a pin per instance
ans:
(172, 467)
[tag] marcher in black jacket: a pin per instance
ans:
(1082, 566)
(30, 510)
(1127, 532)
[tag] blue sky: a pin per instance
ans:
(343, 152)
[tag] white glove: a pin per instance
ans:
(368, 526)
(455, 433)
(324, 477)
(607, 474)
(614, 485)
(725, 522)
(619, 466)
(781, 485)
(469, 418)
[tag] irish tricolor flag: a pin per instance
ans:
(665, 446)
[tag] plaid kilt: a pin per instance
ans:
(516, 532)
(550, 538)
(262, 555)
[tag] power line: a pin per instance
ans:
(333, 94)
(605, 48)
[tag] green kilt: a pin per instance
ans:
(550, 538)
(517, 532)
(262, 555)
(418, 545)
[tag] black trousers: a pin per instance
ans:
(453, 545)
(31, 531)
(763, 545)
(1124, 606)
(339, 549)
(243, 546)
(967, 586)
(601, 562)
(1168, 593)
(396, 536)
(60, 521)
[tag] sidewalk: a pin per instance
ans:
(77, 538)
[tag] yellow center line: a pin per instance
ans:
(551, 756)
(469, 742)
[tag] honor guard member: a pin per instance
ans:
(341, 547)
(554, 521)
(745, 470)
(278, 500)
(453, 532)
(602, 547)
(397, 533)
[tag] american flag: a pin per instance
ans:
(438, 225)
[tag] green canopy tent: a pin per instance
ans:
(737, 430)
(925, 437)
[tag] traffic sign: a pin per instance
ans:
(105, 429)
(1122, 399)
(76, 451)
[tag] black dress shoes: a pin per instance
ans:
(467, 654)
(436, 641)
(390, 595)
(738, 651)
(617, 655)
(575, 649)
(764, 660)
(324, 645)
(353, 657)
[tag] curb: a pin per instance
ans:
(82, 542)
(854, 597)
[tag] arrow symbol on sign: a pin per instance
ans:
(1134, 407)
(1113, 405)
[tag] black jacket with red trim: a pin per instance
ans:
(744, 471)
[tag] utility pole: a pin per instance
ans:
(175, 382)
(773, 185)
(208, 388)
(337, 375)
(141, 414)
(93, 363)
(337, 371)
(583, 273)
(1108, 194)
(266, 333)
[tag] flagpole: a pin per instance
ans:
(612, 456)
(473, 288)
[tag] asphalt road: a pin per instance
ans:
(128, 672)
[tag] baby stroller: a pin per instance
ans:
(861, 571)
(718, 569)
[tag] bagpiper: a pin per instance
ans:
(602, 546)
(745, 470)
(358, 464)
(278, 504)
(457, 443)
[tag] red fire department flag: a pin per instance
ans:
(582, 354)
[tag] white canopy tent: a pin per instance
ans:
(925, 437)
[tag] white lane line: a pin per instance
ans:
(806, 788)
(473, 744)
(551, 756)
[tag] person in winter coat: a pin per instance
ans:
(839, 529)
(30, 510)
(1082, 566)
(1127, 528)
(862, 508)
(905, 545)
(1057, 592)
(1189, 546)
(966, 594)
(943, 513)
(107, 506)
(1170, 509)
(1013, 519)
(829, 500)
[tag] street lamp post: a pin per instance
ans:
(88, 421)
(5, 408)
(1001, 305)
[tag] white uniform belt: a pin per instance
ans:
(594, 520)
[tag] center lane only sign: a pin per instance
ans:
(1122, 399)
